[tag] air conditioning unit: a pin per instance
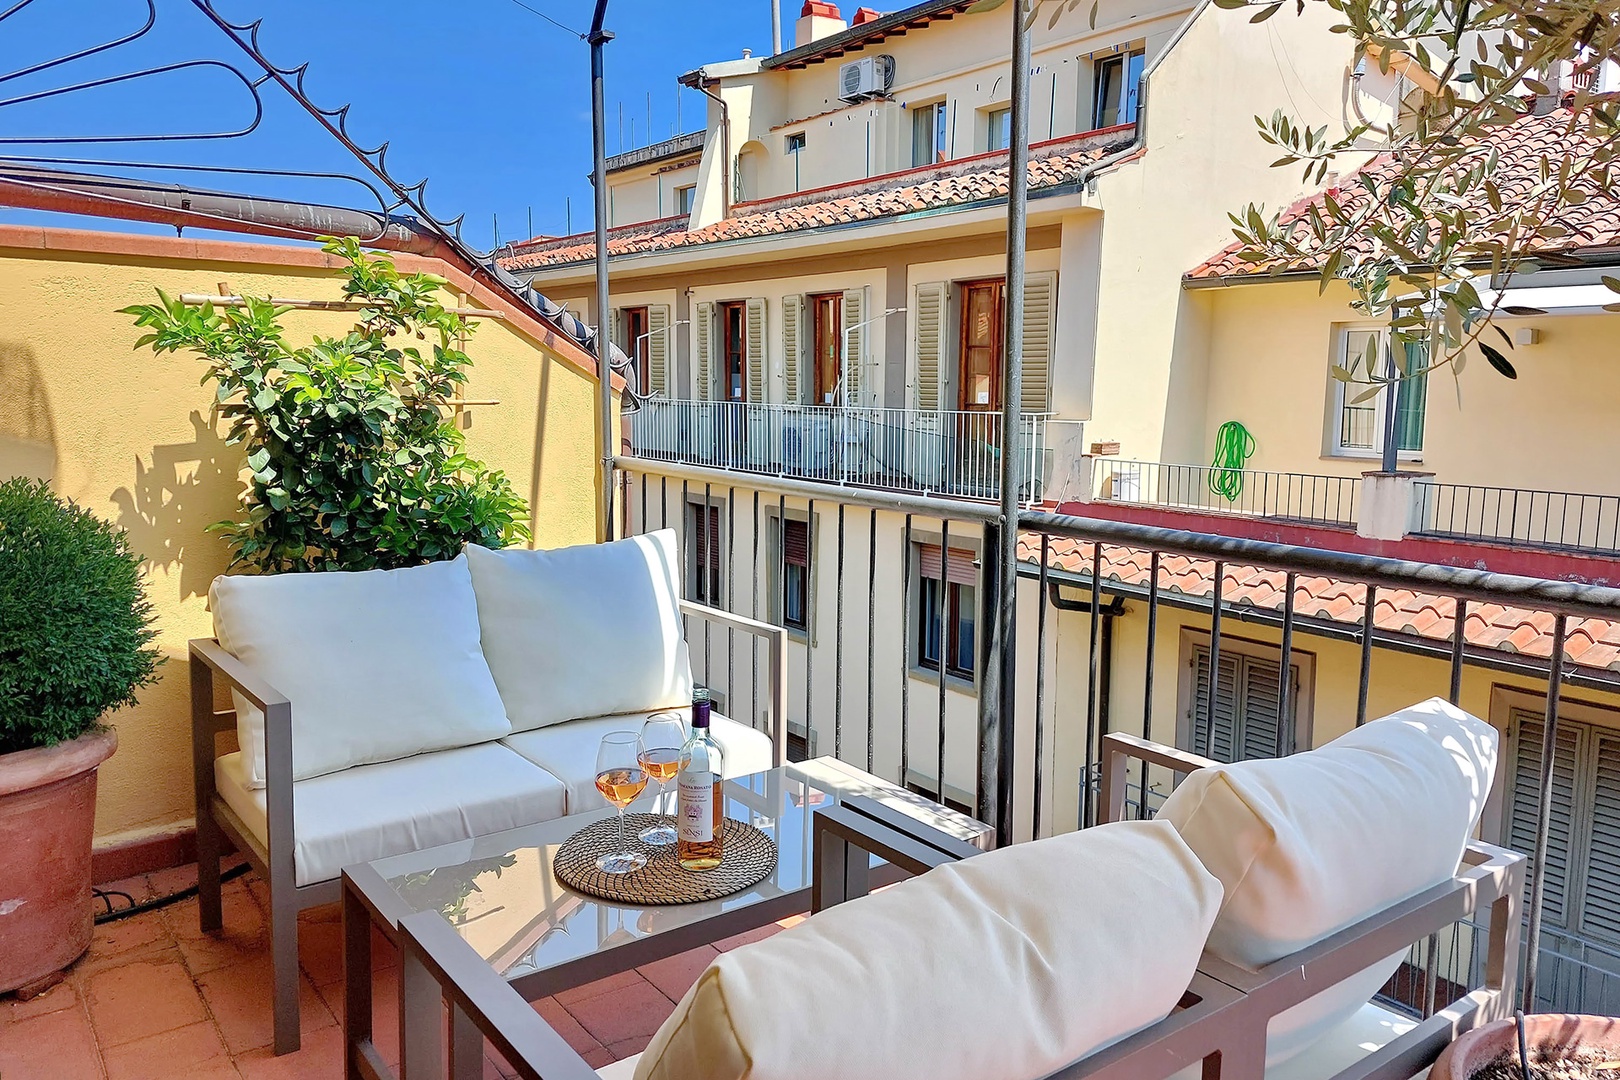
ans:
(868, 77)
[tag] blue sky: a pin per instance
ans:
(487, 99)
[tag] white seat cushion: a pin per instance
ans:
(583, 631)
(1010, 964)
(1310, 844)
(373, 811)
(568, 752)
(378, 665)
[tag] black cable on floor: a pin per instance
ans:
(113, 914)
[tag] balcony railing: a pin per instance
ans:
(1304, 497)
(1523, 517)
(948, 453)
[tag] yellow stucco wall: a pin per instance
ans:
(1553, 427)
(130, 435)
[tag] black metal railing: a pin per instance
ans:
(1547, 519)
(1289, 496)
(883, 572)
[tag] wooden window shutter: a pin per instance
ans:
(1600, 905)
(658, 349)
(792, 346)
(616, 334)
(1528, 731)
(855, 343)
(1261, 708)
(959, 568)
(757, 356)
(1040, 323)
(1224, 707)
(930, 342)
(796, 543)
(705, 349)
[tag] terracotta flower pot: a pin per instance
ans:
(47, 820)
(1475, 1049)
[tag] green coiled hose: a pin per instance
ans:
(1233, 448)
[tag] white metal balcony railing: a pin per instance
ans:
(1305, 497)
(929, 452)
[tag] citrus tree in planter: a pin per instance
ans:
(75, 643)
(355, 463)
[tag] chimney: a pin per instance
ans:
(865, 15)
(819, 19)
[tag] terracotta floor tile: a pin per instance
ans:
(625, 1013)
(57, 1044)
(132, 1001)
(172, 880)
(137, 888)
(599, 987)
(244, 936)
(64, 995)
(632, 1047)
(138, 934)
(747, 937)
(674, 975)
(319, 1058)
(191, 1051)
(239, 996)
(320, 947)
(564, 1024)
(384, 1009)
(599, 1057)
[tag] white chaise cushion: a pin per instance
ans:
(568, 751)
(378, 664)
(1307, 845)
(583, 631)
(1010, 964)
(373, 811)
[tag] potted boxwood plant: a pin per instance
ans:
(75, 642)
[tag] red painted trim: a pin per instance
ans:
(1476, 555)
(125, 860)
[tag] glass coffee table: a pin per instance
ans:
(500, 895)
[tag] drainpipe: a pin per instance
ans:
(725, 139)
(598, 38)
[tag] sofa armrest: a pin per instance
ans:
(480, 1000)
(775, 638)
(845, 837)
(1118, 749)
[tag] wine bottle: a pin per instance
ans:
(701, 804)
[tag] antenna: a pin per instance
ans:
(649, 116)
(495, 221)
(531, 221)
(568, 210)
(621, 127)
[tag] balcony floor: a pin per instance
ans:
(155, 998)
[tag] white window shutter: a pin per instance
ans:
(757, 357)
(705, 349)
(930, 343)
(855, 355)
(1040, 324)
(658, 349)
(616, 333)
(1224, 707)
(1524, 803)
(792, 347)
(1600, 906)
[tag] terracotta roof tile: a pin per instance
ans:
(1521, 145)
(1591, 643)
(935, 187)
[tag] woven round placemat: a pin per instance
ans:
(749, 855)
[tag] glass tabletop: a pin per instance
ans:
(500, 894)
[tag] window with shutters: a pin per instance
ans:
(792, 580)
(634, 322)
(1359, 416)
(946, 611)
(826, 332)
(1581, 893)
(704, 553)
(1247, 702)
(733, 350)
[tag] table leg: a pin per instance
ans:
(421, 1021)
(356, 982)
(466, 1047)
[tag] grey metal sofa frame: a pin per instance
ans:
(219, 826)
(1220, 1022)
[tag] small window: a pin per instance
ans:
(1000, 133)
(796, 575)
(636, 339)
(928, 134)
(795, 142)
(1118, 82)
(947, 611)
(685, 198)
(1246, 707)
(1359, 421)
(703, 553)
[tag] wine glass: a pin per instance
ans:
(620, 778)
(662, 737)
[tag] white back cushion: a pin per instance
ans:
(378, 665)
(1011, 964)
(583, 631)
(1307, 845)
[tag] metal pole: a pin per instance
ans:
(998, 691)
(776, 27)
(597, 38)
(1544, 808)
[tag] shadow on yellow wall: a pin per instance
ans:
(27, 429)
(186, 488)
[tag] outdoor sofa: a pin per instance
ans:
(1239, 935)
(381, 712)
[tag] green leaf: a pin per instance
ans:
(1498, 361)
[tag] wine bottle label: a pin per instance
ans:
(696, 825)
